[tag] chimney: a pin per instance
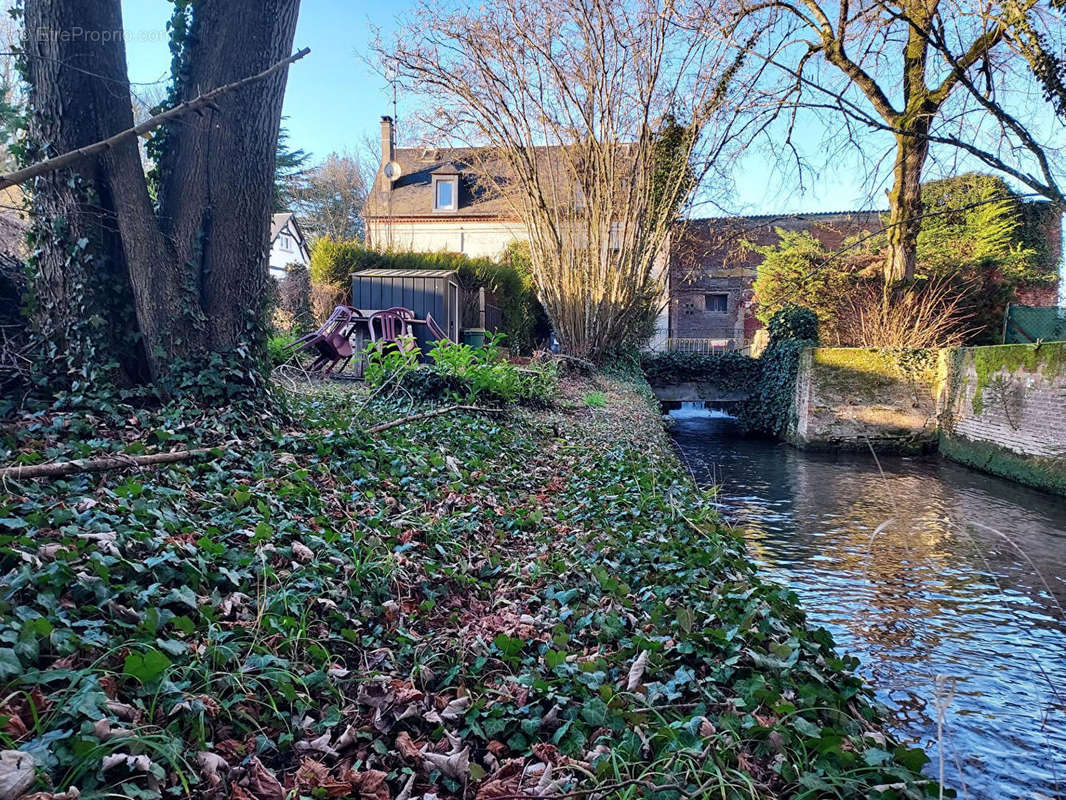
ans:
(388, 141)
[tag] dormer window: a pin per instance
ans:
(445, 191)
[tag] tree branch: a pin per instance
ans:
(206, 99)
(60, 468)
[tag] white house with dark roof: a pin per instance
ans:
(287, 244)
(428, 199)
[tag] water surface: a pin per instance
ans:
(946, 583)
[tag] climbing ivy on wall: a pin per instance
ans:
(769, 380)
(729, 371)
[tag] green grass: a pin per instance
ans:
(596, 400)
(479, 585)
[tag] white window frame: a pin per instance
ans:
(454, 181)
(286, 242)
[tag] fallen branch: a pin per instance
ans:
(58, 469)
(206, 99)
(427, 414)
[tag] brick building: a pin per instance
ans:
(711, 300)
(712, 271)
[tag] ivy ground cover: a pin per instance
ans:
(527, 604)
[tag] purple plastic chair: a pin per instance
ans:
(330, 341)
(393, 323)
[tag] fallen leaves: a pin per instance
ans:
(636, 672)
(18, 771)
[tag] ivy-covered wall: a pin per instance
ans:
(1003, 410)
(851, 398)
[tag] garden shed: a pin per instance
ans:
(424, 291)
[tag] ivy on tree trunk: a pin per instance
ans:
(119, 277)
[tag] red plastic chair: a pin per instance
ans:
(394, 322)
(330, 341)
(436, 331)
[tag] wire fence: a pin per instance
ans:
(1026, 324)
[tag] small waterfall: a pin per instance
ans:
(693, 409)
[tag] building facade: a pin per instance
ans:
(287, 245)
(713, 268)
(429, 200)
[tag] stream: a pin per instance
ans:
(946, 583)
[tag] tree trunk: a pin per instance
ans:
(195, 273)
(218, 195)
(83, 312)
(905, 207)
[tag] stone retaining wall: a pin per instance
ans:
(1000, 409)
(852, 398)
(1003, 410)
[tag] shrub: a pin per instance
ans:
(460, 373)
(596, 400)
(730, 371)
(793, 322)
(769, 405)
(931, 314)
(276, 345)
(390, 362)
(799, 268)
(333, 262)
(294, 299)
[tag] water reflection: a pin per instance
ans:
(920, 568)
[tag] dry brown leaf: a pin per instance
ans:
(302, 553)
(452, 765)
(320, 745)
(73, 793)
(140, 763)
(407, 747)
(546, 752)
(124, 711)
(314, 775)
(636, 672)
(456, 708)
(370, 785)
(213, 767)
(261, 782)
(18, 771)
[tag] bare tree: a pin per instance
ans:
(118, 275)
(948, 74)
(329, 197)
(595, 120)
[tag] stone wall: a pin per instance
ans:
(1000, 409)
(854, 398)
(1004, 411)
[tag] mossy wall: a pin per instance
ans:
(1003, 410)
(850, 398)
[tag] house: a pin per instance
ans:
(711, 300)
(287, 244)
(430, 200)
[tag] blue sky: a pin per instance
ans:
(334, 99)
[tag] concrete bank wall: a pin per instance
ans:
(1000, 409)
(1003, 410)
(851, 398)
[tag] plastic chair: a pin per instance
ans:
(394, 322)
(330, 341)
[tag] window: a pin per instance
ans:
(285, 242)
(444, 194)
(718, 303)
